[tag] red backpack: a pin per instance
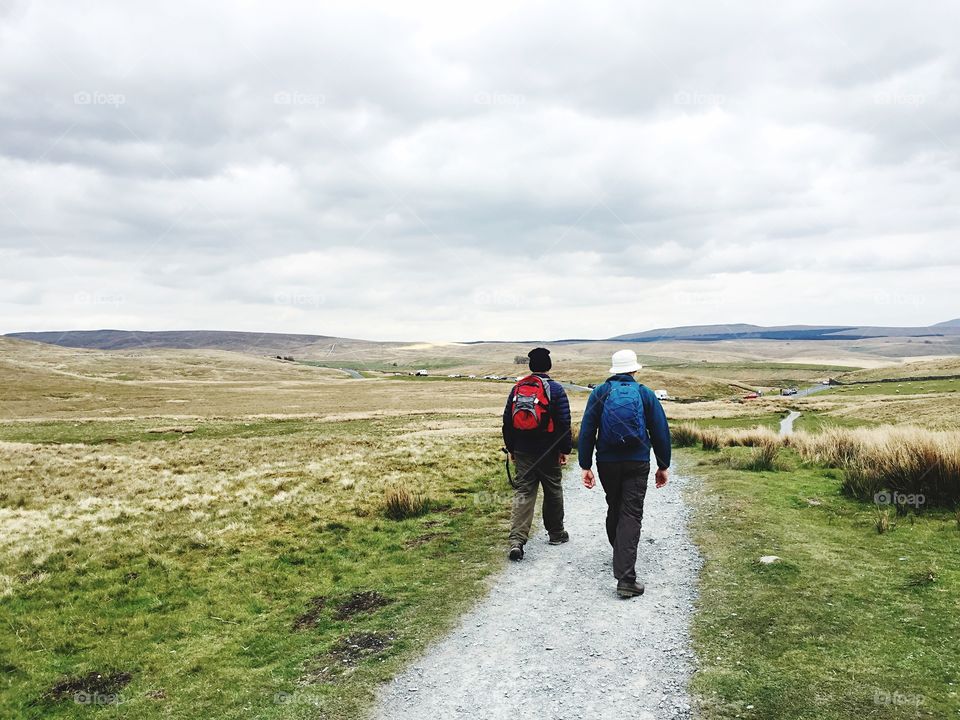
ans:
(531, 405)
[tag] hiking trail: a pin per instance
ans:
(552, 641)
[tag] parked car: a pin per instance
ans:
(751, 396)
(788, 391)
(662, 394)
(421, 373)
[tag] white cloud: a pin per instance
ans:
(431, 171)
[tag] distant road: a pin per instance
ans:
(571, 386)
(352, 373)
(812, 390)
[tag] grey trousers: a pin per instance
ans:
(625, 485)
(530, 475)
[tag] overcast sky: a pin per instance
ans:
(452, 171)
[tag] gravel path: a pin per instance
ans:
(552, 640)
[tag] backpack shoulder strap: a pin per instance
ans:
(546, 388)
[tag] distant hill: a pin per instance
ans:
(742, 331)
(249, 342)
(315, 346)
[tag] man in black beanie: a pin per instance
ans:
(536, 433)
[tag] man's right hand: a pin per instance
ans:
(661, 478)
(588, 479)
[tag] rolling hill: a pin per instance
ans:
(307, 344)
(741, 331)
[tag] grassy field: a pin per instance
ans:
(849, 623)
(215, 574)
(229, 555)
(205, 534)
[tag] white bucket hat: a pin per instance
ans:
(624, 361)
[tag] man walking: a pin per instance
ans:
(536, 433)
(622, 420)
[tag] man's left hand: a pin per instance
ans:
(563, 459)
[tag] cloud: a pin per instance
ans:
(428, 171)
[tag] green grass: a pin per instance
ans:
(814, 422)
(900, 387)
(846, 616)
(97, 432)
(770, 420)
(200, 612)
(385, 366)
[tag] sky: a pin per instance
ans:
(452, 171)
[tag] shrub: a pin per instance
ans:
(400, 503)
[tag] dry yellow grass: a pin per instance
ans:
(47, 382)
(903, 459)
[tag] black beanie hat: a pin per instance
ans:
(539, 360)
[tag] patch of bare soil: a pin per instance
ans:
(94, 687)
(345, 655)
(308, 618)
(360, 602)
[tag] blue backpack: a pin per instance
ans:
(622, 422)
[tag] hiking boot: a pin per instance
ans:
(516, 553)
(629, 589)
(559, 538)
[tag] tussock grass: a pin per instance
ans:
(906, 460)
(401, 503)
(684, 435)
(901, 460)
(763, 457)
(714, 438)
(758, 437)
(882, 521)
(711, 438)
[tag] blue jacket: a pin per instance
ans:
(656, 422)
(540, 443)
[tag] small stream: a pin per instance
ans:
(786, 425)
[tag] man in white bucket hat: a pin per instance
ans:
(623, 420)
